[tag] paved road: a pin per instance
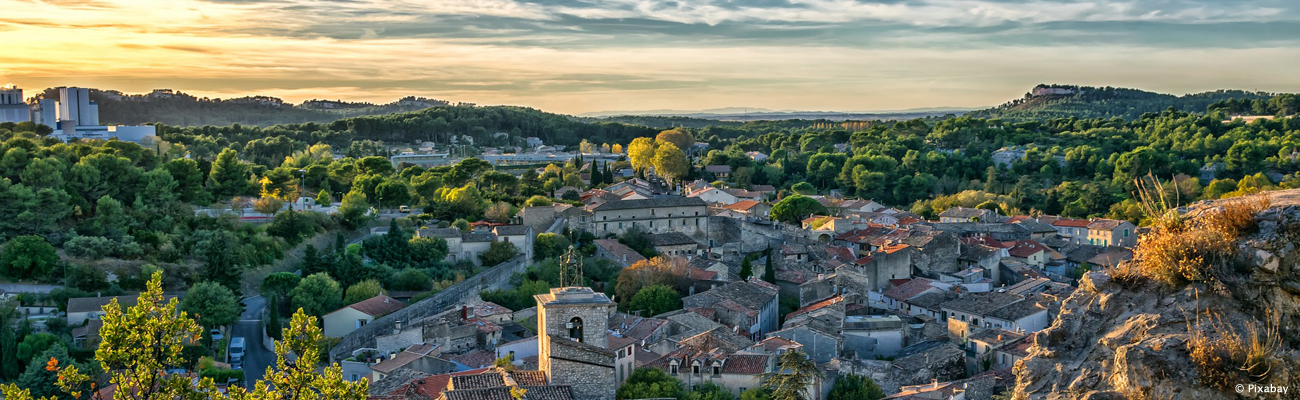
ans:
(257, 357)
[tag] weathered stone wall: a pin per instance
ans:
(497, 277)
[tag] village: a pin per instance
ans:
(923, 308)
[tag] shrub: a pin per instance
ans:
(1181, 249)
(90, 247)
(1222, 354)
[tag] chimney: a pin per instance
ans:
(464, 312)
(935, 383)
(397, 326)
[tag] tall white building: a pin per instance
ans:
(12, 106)
(74, 116)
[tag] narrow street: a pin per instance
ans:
(249, 327)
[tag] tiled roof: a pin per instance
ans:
(774, 343)
(560, 392)
(1015, 311)
(488, 308)
(962, 212)
(931, 301)
(1026, 248)
(616, 342)
(982, 303)
(620, 251)
(745, 364)
(377, 306)
(827, 302)
(512, 230)
(476, 359)
(665, 201)
(718, 169)
(1071, 223)
(431, 386)
(530, 378)
(671, 239)
(1105, 224)
(397, 361)
(743, 205)
(908, 290)
(749, 294)
(478, 381)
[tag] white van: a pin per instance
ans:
(236, 352)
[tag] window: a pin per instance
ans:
(1126, 233)
(1003, 358)
(716, 370)
(695, 369)
(652, 224)
(672, 369)
(620, 225)
(361, 322)
(575, 329)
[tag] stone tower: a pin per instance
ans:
(573, 341)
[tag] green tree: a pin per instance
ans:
(354, 210)
(362, 290)
(679, 137)
(110, 219)
(794, 377)
(212, 304)
(28, 257)
(280, 284)
(649, 383)
(756, 394)
(35, 344)
(498, 252)
(317, 294)
(229, 176)
(538, 201)
(140, 343)
(855, 387)
(769, 271)
(222, 255)
(746, 268)
(655, 300)
(189, 179)
(549, 245)
(709, 391)
(794, 209)
(43, 382)
(411, 279)
(804, 188)
(323, 198)
(425, 251)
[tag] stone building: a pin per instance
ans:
(573, 341)
(686, 215)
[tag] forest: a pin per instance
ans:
(1106, 102)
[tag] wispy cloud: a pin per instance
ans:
(585, 55)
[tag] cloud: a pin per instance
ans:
(586, 55)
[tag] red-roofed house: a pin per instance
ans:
(1073, 230)
(898, 296)
(820, 304)
(1029, 252)
(343, 321)
(753, 208)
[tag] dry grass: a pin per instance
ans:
(1224, 356)
(1179, 250)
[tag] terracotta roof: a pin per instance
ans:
(1071, 223)
(616, 342)
(706, 312)
(1026, 248)
(840, 253)
(488, 308)
(1016, 219)
(775, 343)
(743, 205)
(398, 361)
(1105, 224)
(745, 364)
(891, 249)
(620, 251)
(377, 306)
(827, 302)
(908, 290)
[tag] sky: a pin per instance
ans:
(576, 56)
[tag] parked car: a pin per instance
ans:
(235, 352)
(216, 335)
(404, 209)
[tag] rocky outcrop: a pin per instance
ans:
(1137, 340)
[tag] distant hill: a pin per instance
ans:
(180, 109)
(1064, 101)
